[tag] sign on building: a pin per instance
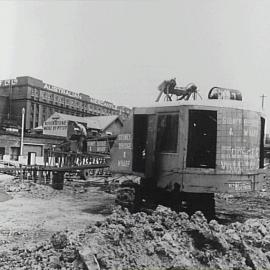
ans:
(56, 127)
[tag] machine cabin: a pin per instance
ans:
(203, 148)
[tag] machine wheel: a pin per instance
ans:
(85, 174)
(125, 197)
(131, 195)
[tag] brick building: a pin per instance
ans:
(41, 100)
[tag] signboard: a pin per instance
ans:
(56, 127)
(23, 160)
(240, 186)
(121, 152)
(40, 161)
(6, 158)
(98, 146)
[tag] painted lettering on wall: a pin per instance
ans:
(238, 140)
(125, 145)
(8, 82)
(61, 90)
(123, 163)
(98, 146)
(240, 186)
(124, 137)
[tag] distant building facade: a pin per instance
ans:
(41, 100)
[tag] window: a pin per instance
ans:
(262, 143)
(15, 152)
(202, 138)
(167, 133)
(2, 152)
(139, 142)
(32, 107)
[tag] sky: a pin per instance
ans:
(121, 51)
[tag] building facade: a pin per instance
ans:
(41, 100)
(34, 147)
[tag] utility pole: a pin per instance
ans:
(9, 99)
(22, 132)
(21, 150)
(263, 97)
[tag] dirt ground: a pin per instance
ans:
(36, 213)
(242, 206)
(33, 214)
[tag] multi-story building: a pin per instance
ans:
(41, 100)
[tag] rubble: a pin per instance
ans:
(167, 240)
(44, 256)
(16, 185)
(39, 191)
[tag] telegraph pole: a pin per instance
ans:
(22, 132)
(263, 97)
(9, 101)
(21, 149)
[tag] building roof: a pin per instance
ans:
(101, 122)
(94, 122)
(67, 117)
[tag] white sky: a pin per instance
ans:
(122, 50)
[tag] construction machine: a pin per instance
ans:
(185, 151)
(169, 89)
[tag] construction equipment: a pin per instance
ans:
(170, 89)
(185, 152)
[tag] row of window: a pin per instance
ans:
(46, 112)
(14, 153)
(70, 102)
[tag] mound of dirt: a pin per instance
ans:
(163, 240)
(167, 240)
(45, 255)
